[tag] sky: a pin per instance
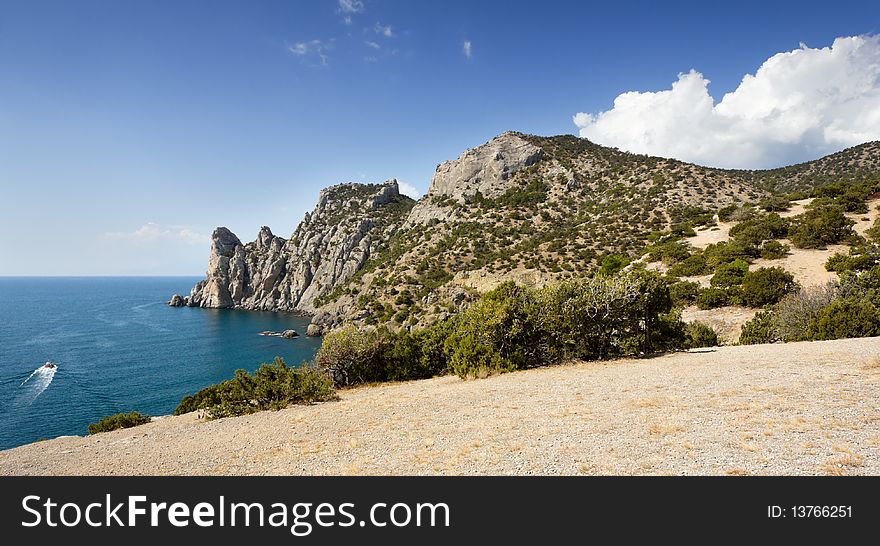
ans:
(129, 130)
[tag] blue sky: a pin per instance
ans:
(129, 130)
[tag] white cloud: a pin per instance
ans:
(384, 30)
(373, 45)
(153, 232)
(466, 48)
(351, 6)
(409, 189)
(348, 8)
(312, 48)
(799, 105)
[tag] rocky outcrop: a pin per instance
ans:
(486, 169)
(348, 225)
(177, 301)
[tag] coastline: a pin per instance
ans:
(804, 408)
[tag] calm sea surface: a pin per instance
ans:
(118, 347)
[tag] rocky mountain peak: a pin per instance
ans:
(223, 242)
(486, 168)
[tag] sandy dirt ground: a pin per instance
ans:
(800, 408)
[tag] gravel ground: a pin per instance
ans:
(800, 408)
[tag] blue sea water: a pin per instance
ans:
(118, 347)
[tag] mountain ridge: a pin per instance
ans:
(519, 206)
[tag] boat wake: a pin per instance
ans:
(36, 383)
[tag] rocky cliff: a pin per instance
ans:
(348, 225)
(518, 207)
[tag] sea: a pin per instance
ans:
(118, 347)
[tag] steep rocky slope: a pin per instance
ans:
(519, 207)
(349, 224)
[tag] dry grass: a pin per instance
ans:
(839, 466)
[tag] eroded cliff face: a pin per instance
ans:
(347, 226)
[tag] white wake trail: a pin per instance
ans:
(38, 381)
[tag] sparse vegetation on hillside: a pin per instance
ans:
(583, 207)
(119, 421)
(273, 386)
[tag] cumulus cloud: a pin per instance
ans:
(311, 49)
(799, 105)
(466, 49)
(409, 189)
(384, 30)
(373, 45)
(153, 232)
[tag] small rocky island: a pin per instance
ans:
(286, 334)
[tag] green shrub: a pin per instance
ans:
(817, 228)
(728, 251)
(273, 386)
(700, 335)
(683, 293)
(761, 329)
(775, 204)
(612, 264)
(774, 250)
(873, 232)
(860, 258)
(863, 285)
(730, 274)
(766, 285)
(712, 298)
(725, 214)
(351, 356)
(691, 266)
(668, 252)
(500, 332)
(754, 231)
(118, 421)
(845, 318)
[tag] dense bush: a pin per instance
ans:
(765, 227)
(712, 298)
(775, 204)
(612, 264)
(668, 252)
(728, 251)
(819, 227)
(500, 332)
(761, 329)
(766, 286)
(774, 250)
(730, 274)
(700, 335)
(272, 386)
(118, 421)
(691, 266)
(683, 293)
(843, 318)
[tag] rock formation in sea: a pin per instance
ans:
(329, 246)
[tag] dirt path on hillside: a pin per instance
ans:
(801, 408)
